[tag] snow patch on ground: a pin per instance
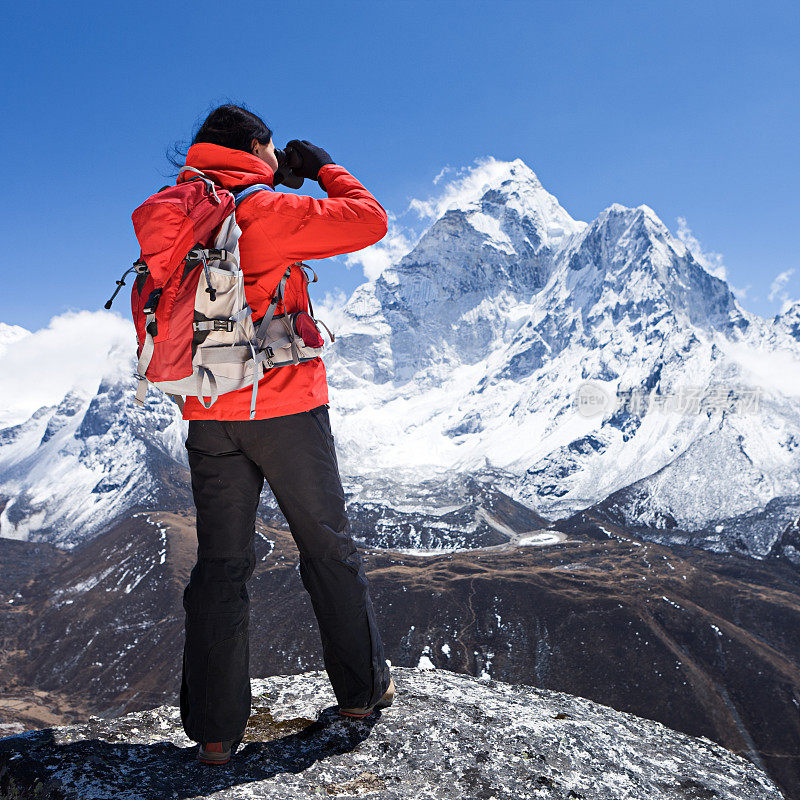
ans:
(541, 539)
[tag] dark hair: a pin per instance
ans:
(229, 126)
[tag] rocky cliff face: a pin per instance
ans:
(446, 736)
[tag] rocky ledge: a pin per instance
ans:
(446, 736)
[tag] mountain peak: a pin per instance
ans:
(493, 197)
(11, 333)
(490, 179)
(641, 213)
(635, 263)
(789, 320)
(790, 311)
(465, 189)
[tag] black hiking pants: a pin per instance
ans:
(229, 462)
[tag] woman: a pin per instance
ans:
(289, 444)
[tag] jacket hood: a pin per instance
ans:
(226, 166)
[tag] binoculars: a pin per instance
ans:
(288, 160)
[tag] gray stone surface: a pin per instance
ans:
(446, 736)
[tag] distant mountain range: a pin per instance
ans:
(569, 365)
(518, 403)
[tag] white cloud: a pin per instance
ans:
(375, 259)
(467, 185)
(741, 293)
(442, 172)
(776, 288)
(330, 309)
(711, 261)
(73, 351)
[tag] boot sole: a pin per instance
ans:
(214, 763)
(377, 707)
(224, 759)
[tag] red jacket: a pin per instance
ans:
(278, 229)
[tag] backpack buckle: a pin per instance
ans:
(224, 325)
(152, 301)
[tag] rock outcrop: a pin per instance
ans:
(447, 736)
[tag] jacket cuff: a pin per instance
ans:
(320, 175)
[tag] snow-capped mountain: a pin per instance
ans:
(573, 363)
(10, 334)
(448, 301)
(474, 349)
(71, 469)
(78, 462)
(787, 324)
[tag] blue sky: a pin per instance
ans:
(688, 107)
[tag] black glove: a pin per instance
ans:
(314, 158)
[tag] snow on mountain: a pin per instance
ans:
(472, 353)
(10, 334)
(81, 459)
(787, 323)
(476, 353)
(643, 319)
(445, 302)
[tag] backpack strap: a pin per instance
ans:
(264, 353)
(204, 374)
(148, 348)
(210, 185)
(256, 187)
(261, 333)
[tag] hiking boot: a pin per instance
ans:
(384, 702)
(217, 752)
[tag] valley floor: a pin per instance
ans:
(707, 644)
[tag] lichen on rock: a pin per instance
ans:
(446, 736)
